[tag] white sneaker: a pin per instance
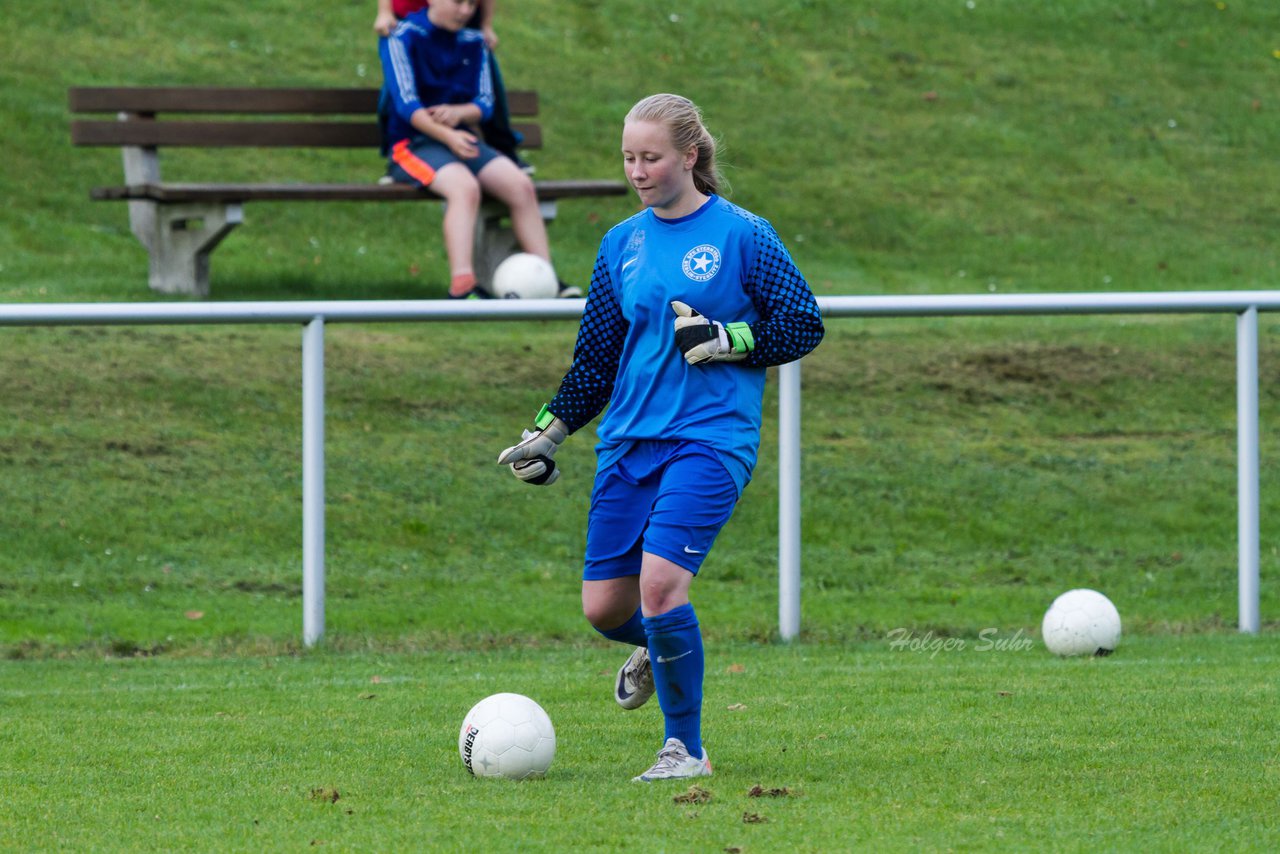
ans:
(634, 686)
(674, 763)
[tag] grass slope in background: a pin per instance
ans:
(956, 476)
(905, 146)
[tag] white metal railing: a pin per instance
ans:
(314, 315)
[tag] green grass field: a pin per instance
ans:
(1165, 746)
(957, 473)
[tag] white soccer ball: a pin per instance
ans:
(1081, 622)
(507, 735)
(525, 276)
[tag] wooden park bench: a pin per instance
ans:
(181, 223)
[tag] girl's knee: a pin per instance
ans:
(660, 601)
(610, 603)
(663, 587)
(606, 615)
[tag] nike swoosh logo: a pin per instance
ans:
(690, 551)
(622, 688)
(627, 263)
(664, 660)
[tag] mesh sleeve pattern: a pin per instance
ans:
(588, 385)
(790, 323)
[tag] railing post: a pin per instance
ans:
(1247, 464)
(313, 482)
(789, 500)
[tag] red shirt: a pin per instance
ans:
(404, 8)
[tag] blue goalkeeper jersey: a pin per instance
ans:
(729, 265)
(424, 65)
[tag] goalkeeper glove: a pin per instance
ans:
(704, 340)
(531, 460)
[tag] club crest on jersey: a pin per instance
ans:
(701, 262)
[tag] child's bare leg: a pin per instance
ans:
(503, 180)
(461, 193)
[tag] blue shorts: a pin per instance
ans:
(416, 160)
(667, 498)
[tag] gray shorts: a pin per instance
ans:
(416, 160)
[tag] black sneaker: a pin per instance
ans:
(475, 293)
(567, 291)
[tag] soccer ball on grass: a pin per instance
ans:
(507, 735)
(525, 276)
(1081, 622)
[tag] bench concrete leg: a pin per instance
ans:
(179, 238)
(495, 241)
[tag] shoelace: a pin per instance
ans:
(640, 675)
(669, 758)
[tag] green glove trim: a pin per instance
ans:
(740, 337)
(544, 419)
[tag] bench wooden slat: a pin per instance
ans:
(226, 134)
(188, 192)
(234, 99)
(220, 134)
